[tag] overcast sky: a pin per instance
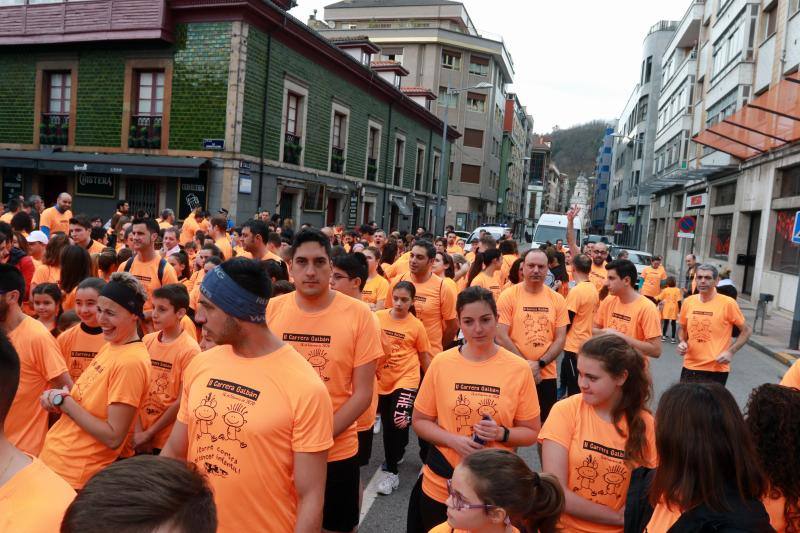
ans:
(575, 60)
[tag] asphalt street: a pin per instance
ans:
(387, 514)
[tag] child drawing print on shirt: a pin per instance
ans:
(700, 330)
(318, 359)
(161, 383)
(462, 412)
(205, 414)
(614, 478)
(235, 419)
(487, 407)
(587, 473)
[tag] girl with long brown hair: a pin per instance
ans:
(50, 269)
(593, 440)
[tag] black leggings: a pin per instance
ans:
(569, 373)
(664, 323)
(424, 513)
(395, 410)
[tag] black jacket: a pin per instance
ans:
(745, 516)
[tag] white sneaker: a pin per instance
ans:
(388, 484)
(376, 428)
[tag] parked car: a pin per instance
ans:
(494, 231)
(637, 257)
(552, 227)
(462, 234)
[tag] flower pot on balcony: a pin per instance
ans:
(155, 142)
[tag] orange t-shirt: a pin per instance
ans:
(671, 296)
(245, 418)
(532, 320)
(79, 345)
(333, 345)
(189, 327)
(68, 302)
(147, 274)
(792, 376)
(598, 276)
(582, 300)
(458, 392)
(596, 457)
(455, 249)
(444, 527)
(118, 374)
(435, 303)
(663, 518)
(168, 363)
(55, 220)
(776, 509)
(40, 362)
(709, 326)
(638, 319)
(6, 217)
(34, 500)
(188, 229)
(652, 280)
(46, 274)
(376, 288)
(402, 340)
(491, 284)
(224, 245)
(396, 269)
(95, 247)
(505, 268)
(164, 224)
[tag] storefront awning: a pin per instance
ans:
(769, 122)
(684, 176)
(138, 165)
(401, 206)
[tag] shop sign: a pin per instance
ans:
(352, 213)
(696, 200)
(12, 185)
(192, 193)
(213, 144)
(96, 185)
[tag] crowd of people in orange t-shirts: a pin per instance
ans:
(212, 376)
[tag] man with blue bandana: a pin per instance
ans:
(254, 416)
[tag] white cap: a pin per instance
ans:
(38, 236)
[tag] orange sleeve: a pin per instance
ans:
(572, 301)
(792, 376)
(505, 307)
(734, 314)
(128, 381)
(382, 290)
(169, 275)
(651, 321)
(448, 303)
(48, 357)
(312, 430)
(562, 317)
(683, 317)
(368, 338)
(600, 315)
(426, 397)
(64, 342)
(528, 404)
(188, 377)
(423, 343)
(561, 422)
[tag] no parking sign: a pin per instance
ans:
(685, 227)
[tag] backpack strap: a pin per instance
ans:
(128, 264)
(161, 266)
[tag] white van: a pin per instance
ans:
(552, 227)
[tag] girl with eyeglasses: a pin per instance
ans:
(492, 490)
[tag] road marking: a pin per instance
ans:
(370, 493)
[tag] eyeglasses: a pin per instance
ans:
(339, 277)
(459, 504)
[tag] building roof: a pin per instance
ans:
(390, 66)
(419, 91)
(357, 41)
(390, 3)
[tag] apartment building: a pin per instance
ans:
(182, 105)
(438, 44)
(632, 167)
(739, 178)
(602, 178)
(513, 162)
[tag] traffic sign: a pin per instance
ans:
(686, 226)
(796, 230)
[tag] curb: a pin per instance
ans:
(782, 357)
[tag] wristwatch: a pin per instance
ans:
(543, 363)
(58, 399)
(506, 433)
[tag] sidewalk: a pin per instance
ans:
(775, 338)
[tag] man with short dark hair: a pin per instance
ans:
(254, 415)
(707, 320)
(80, 232)
(37, 206)
(259, 243)
(626, 313)
(169, 242)
(219, 232)
(582, 302)
(652, 278)
(34, 497)
(690, 284)
(152, 270)
(343, 352)
(13, 207)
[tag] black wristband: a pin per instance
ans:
(506, 434)
(543, 363)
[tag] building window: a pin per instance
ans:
(54, 127)
(392, 54)
(473, 138)
(720, 236)
(790, 182)
(437, 162)
(476, 102)
(648, 69)
(399, 160)
(146, 122)
(419, 174)
(338, 142)
(293, 137)
(769, 20)
(725, 194)
(785, 254)
(479, 66)
(449, 100)
(470, 173)
(639, 145)
(451, 60)
(373, 151)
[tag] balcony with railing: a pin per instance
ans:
(337, 160)
(58, 21)
(54, 129)
(145, 132)
(372, 169)
(292, 149)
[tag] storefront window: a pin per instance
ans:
(785, 254)
(720, 236)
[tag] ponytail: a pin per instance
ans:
(475, 268)
(547, 504)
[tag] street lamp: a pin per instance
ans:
(632, 142)
(450, 91)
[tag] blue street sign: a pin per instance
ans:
(796, 230)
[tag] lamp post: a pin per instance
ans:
(450, 91)
(632, 142)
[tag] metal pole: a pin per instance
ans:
(636, 220)
(794, 338)
(439, 216)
